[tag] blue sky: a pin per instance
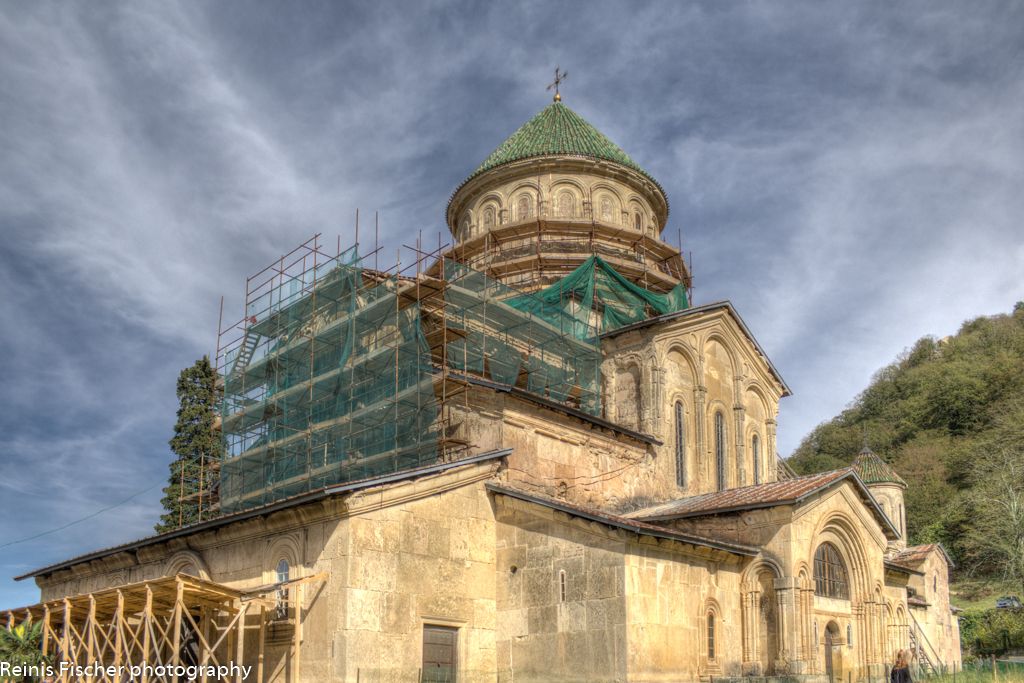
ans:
(850, 175)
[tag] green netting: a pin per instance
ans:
(333, 382)
(596, 293)
(538, 346)
(333, 379)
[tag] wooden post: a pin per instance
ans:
(90, 638)
(240, 643)
(46, 630)
(146, 623)
(119, 637)
(176, 623)
(66, 639)
(262, 640)
(204, 621)
(297, 633)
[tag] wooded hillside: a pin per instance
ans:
(948, 415)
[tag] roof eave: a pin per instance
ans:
(622, 523)
(302, 499)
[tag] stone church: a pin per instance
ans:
(579, 482)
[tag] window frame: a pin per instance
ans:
(831, 575)
(679, 424)
(720, 448)
(755, 452)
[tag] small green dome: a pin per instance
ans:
(873, 470)
(557, 130)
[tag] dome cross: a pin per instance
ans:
(559, 77)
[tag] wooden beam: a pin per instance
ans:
(240, 642)
(296, 633)
(66, 640)
(260, 648)
(176, 623)
(147, 618)
(90, 639)
(119, 643)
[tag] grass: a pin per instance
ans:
(976, 594)
(1012, 674)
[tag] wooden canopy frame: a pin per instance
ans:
(173, 621)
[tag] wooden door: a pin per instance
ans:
(439, 654)
(828, 654)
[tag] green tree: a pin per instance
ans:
(197, 445)
(22, 645)
(996, 539)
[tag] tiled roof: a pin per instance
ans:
(746, 497)
(783, 492)
(618, 521)
(557, 130)
(915, 554)
(873, 470)
(915, 601)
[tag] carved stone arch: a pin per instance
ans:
(754, 387)
(578, 187)
(285, 547)
(727, 344)
(841, 530)
(574, 191)
(602, 186)
(493, 196)
(531, 192)
(687, 353)
(760, 610)
(711, 640)
(627, 390)
(606, 202)
(720, 444)
(187, 562)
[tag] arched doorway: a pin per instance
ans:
(832, 642)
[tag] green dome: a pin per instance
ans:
(557, 130)
(873, 470)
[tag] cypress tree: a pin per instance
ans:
(197, 445)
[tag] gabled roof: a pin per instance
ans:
(705, 308)
(873, 470)
(619, 522)
(914, 555)
(783, 492)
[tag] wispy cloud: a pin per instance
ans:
(847, 174)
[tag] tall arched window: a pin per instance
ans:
(680, 433)
(638, 222)
(606, 208)
(489, 217)
(720, 449)
(283, 573)
(830, 577)
(755, 451)
(524, 207)
(711, 635)
(566, 205)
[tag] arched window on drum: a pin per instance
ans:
(566, 205)
(524, 207)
